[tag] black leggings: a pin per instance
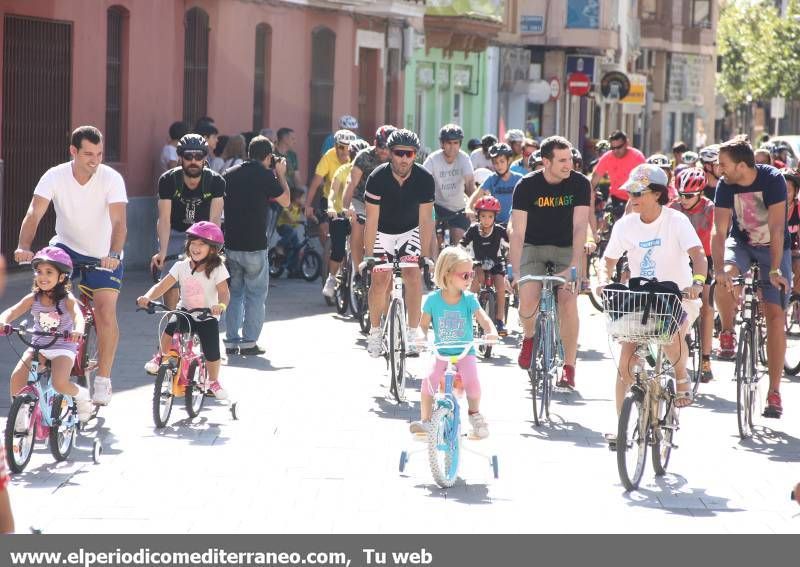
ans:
(340, 229)
(207, 331)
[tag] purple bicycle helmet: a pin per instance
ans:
(208, 232)
(55, 256)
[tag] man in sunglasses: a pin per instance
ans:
(187, 194)
(399, 197)
(708, 158)
(550, 215)
(617, 163)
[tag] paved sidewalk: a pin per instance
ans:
(318, 444)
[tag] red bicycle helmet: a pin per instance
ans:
(208, 232)
(691, 180)
(55, 256)
(488, 203)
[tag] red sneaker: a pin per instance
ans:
(567, 379)
(727, 344)
(525, 353)
(774, 408)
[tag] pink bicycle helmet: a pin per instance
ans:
(55, 256)
(691, 180)
(487, 203)
(208, 232)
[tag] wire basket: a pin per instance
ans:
(642, 317)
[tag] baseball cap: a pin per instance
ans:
(642, 176)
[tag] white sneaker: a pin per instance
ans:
(412, 347)
(479, 427)
(102, 391)
(375, 342)
(151, 366)
(420, 427)
(330, 285)
(84, 403)
(23, 419)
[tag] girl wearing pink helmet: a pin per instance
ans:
(690, 183)
(202, 277)
(53, 309)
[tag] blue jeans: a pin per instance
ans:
(249, 286)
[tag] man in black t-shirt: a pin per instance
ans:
(399, 198)
(249, 187)
(550, 213)
(187, 194)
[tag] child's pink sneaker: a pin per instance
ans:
(217, 391)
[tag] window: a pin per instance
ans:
(649, 9)
(114, 51)
(701, 13)
(195, 66)
(261, 77)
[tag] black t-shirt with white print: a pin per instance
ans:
(190, 205)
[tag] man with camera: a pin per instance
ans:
(249, 189)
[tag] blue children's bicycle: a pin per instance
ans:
(444, 436)
(39, 413)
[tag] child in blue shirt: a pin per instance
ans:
(450, 310)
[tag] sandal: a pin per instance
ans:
(683, 398)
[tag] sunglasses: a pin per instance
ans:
(404, 153)
(617, 147)
(193, 156)
(343, 146)
(466, 276)
(688, 195)
(639, 193)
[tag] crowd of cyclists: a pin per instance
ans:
(513, 207)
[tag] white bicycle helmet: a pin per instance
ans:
(344, 137)
(348, 122)
(515, 136)
(710, 154)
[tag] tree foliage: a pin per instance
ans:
(757, 45)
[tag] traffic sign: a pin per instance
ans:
(555, 88)
(615, 85)
(578, 84)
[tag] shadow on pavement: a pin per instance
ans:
(390, 409)
(672, 494)
(461, 492)
(776, 445)
(199, 431)
(713, 403)
(557, 429)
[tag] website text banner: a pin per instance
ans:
(391, 551)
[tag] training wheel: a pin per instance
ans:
(403, 460)
(97, 450)
(235, 410)
(495, 466)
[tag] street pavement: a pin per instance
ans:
(317, 446)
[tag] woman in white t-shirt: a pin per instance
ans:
(203, 281)
(660, 243)
(169, 153)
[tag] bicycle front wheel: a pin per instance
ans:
(488, 301)
(539, 372)
(19, 433)
(341, 292)
(593, 273)
(667, 426)
(744, 372)
(632, 433)
(397, 351)
(310, 265)
(444, 447)
(195, 388)
(62, 430)
(163, 395)
(694, 363)
(791, 363)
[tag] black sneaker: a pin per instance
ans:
(252, 351)
(232, 350)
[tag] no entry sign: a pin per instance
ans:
(578, 84)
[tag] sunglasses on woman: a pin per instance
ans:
(639, 193)
(466, 276)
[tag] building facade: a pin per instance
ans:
(132, 67)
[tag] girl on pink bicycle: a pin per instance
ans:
(53, 309)
(202, 277)
(450, 310)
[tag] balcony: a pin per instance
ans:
(459, 26)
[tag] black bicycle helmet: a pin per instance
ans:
(535, 158)
(488, 141)
(403, 137)
(450, 132)
(192, 143)
(357, 146)
(382, 135)
(501, 149)
(576, 155)
(473, 144)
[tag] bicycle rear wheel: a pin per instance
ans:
(62, 430)
(397, 352)
(310, 265)
(20, 441)
(593, 273)
(632, 434)
(744, 372)
(163, 395)
(444, 446)
(275, 263)
(791, 363)
(88, 355)
(667, 426)
(195, 388)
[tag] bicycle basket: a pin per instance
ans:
(641, 316)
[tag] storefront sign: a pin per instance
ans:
(578, 84)
(581, 64)
(531, 24)
(636, 94)
(615, 85)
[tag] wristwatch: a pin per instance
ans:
(776, 272)
(115, 255)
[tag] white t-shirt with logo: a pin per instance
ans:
(658, 249)
(197, 289)
(82, 218)
(449, 178)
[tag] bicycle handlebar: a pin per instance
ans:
(22, 333)
(465, 348)
(204, 312)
